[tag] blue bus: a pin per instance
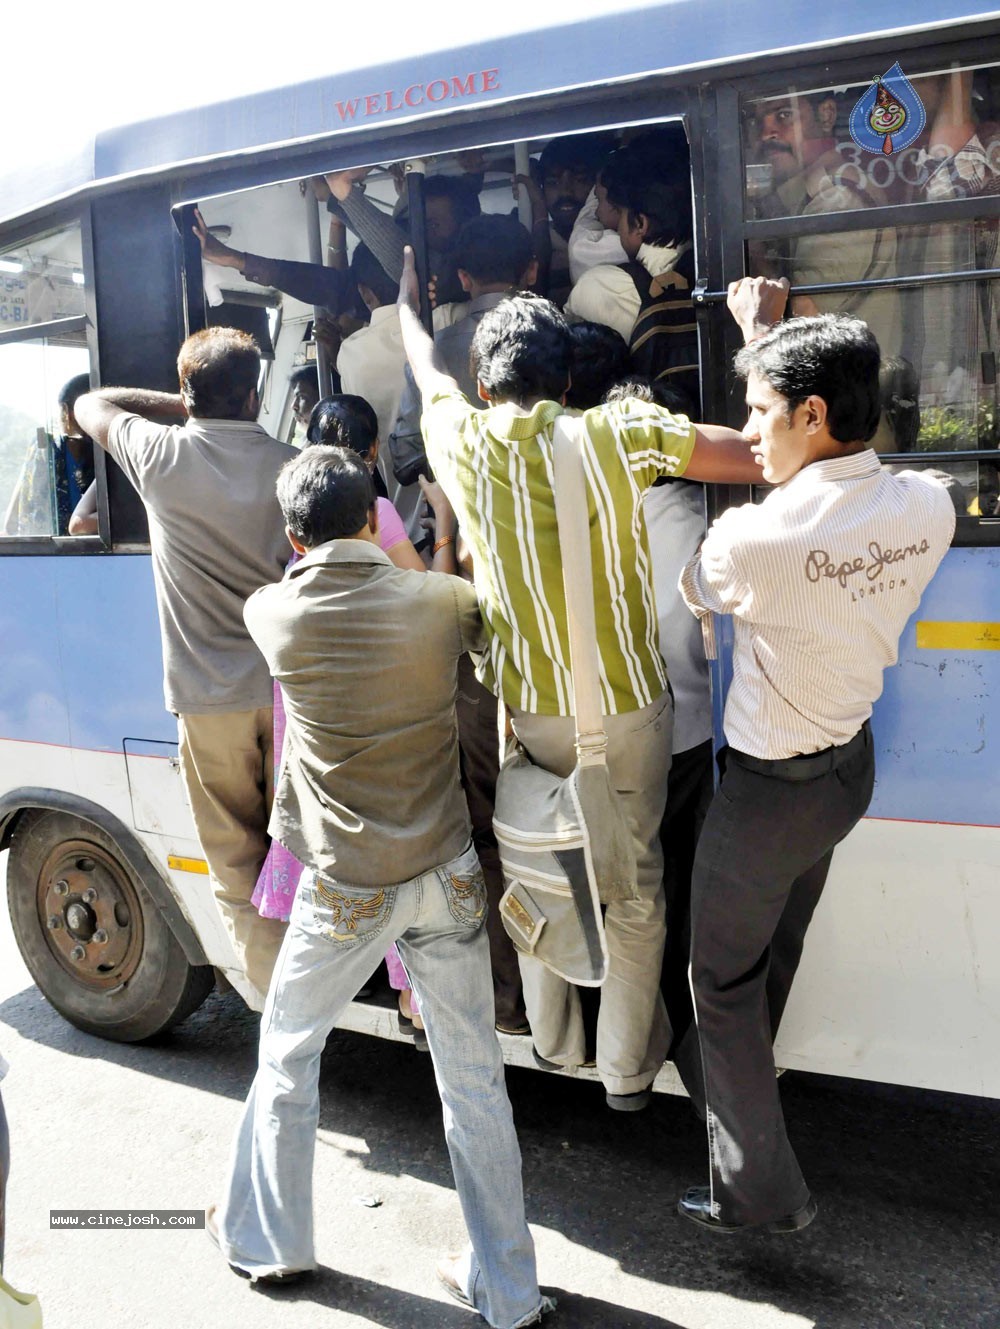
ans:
(100, 272)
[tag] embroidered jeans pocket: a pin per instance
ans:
(465, 891)
(350, 915)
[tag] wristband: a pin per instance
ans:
(440, 544)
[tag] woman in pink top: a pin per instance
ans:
(347, 421)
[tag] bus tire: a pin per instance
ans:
(91, 936)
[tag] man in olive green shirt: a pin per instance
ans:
(369, 799)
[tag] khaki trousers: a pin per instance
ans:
(227, 761)
(633, 1033)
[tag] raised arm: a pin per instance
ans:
(312, 283)
(96, 411)
(426, 365)
(379, 232)
(721, 455)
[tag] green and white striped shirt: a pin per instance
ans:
(496, 467)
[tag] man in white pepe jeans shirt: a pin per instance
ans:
(821, 579)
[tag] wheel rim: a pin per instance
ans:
(90, 914)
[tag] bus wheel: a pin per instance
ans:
(91, 935)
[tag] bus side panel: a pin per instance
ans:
(899, 980)
(82, 675)
(86, 669)
(937, 753)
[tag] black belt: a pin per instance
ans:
(810, 766)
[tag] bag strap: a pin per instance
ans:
(572, 517)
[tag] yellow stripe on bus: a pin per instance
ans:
(187, 864)
(958, 636)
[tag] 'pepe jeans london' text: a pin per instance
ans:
(871, 568)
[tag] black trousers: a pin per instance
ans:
(689, 795)
(759, 872)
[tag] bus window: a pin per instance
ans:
(44, 465)
(42, 281)
(939, 339)
(803, 159)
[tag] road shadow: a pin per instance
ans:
(907, 1182)
(381, 1305)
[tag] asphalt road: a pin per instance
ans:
(907, 1184)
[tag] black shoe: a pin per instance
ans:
(406, 1026)
(629, 1102)
(513, 1026)
(696, 1204)
(543, 1063)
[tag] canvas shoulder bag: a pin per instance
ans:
(564, 844)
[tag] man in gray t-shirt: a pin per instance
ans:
(217, 534)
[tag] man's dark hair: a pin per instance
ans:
(658, 391)
(462, 195)
(308, 374)
(344, 421)
(899, 391)
(600, 358)
(832, 356)
(522, 349)
(218, 368)
(494, 249)
(652, 176)
(69, 392)
(325, 494)
(576, 151)
(366, 270)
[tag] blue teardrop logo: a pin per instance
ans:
(889, 115)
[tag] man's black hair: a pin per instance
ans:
(494, 249)
(600, 358)
(585, 151)
(522, 349)
(661, 392)
(308, 373)
(832, 356)
(344, 421)
(69, 392)
(325, 494)
(899, 390)
(652, 176)
(366, 270)
(461, 193)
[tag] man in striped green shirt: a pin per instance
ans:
(496, 467)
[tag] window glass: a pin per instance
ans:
(940, 343)
(45, 464)
(42, 280)
(802, 157)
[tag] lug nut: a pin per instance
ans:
(77, 917)
(78, 953)
(100, 936)
(54, 923)
(89, 896)
(61, 887)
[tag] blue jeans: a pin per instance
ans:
(4, 1169)
(336, 938)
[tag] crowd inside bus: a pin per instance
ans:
(353, 630)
